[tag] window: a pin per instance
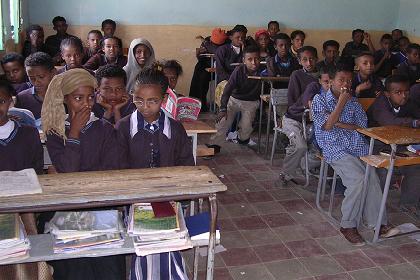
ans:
(10, 21)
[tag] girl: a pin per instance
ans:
(140, 55)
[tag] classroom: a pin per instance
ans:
(226, 140)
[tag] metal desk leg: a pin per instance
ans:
(364, 188)
(260, 125)
(267, 141)
(385, 194)
(212, 238)
(194, 137)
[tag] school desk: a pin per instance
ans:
(393, 136)
(81, 190)
(266, 98)
(193, 128)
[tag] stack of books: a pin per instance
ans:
(158, 227)
(13, 240)
(85, 230)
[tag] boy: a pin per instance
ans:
(149, 139)
(401, 55)
(411, 67)
(298, 39)
(365, 83)
(111, 55)
(20, 146)
(292, 120)
(273, 28)
(80, 143)
(396, 34)
(34, 40)
(337, 115)
(330, 51)
(354, 48)
(14, 67)
(72, 54)
(240, 95)
(40, 70)
(112, 101)
(53, 42)
(385, 60)
(283, 63)
(172, 70)
(230, 53)
(395, 108)
(93, 44)
(108, 28)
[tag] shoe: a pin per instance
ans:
(352, 236)
(216, 148)
(232, 136)
(251, 143)
(387, 231)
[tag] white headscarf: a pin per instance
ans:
(132, 68)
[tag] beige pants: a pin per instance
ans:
(247, 109)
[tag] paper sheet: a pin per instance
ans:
(21, 182)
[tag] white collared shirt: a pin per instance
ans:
(7, 129)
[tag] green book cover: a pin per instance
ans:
(144, 219)
(9, 226)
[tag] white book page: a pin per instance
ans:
(19, 182)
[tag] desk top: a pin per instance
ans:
(382, 161)
(64, 191)
(399, 135)
(272, 79)
(198, 127)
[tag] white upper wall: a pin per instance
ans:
(304, 14)
(409, 17)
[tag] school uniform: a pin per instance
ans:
(149, 145)
(28, 49)
(278, 68)
(65, 68)
(382, 113)
(225, 56)
(240, 95)
(387, 66)
(377, 86)
(351, 50)
(99, 60)
(415, 94)
(29, 100)
(87, 54)
(410, 70)
(20, 147)
(95, 150)
(292, 120)
(21, 86)
(53, 42)
(127, 109)
(324, 64)
(341, 149)
(401, 57)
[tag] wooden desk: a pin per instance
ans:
(68, 191)
(193, 128)
(393, 136)
(266, 98)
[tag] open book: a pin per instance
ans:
(181, 108)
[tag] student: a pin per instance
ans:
(356, 46)
(111, 55)
(298, 40)
(149, 139)
(172, 70)
(20, 146)
(365, 83)
(140, 55)
(108, 28)
(395, 108)
(72, 54)
(262, 37)
(411, 67)
(53, 42)
(34, 40)
(201, 78)
(94, 38)
(401, 55)
(337, 115)
(14, 68)
(385, 60)
(292, 120)
(230, 53)
(330, 51)
(40, 70)
(396, 34)
(80, 143)
(273, 28)
(240, 95)
(415, 94)
(112, 101)
(283, 63)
